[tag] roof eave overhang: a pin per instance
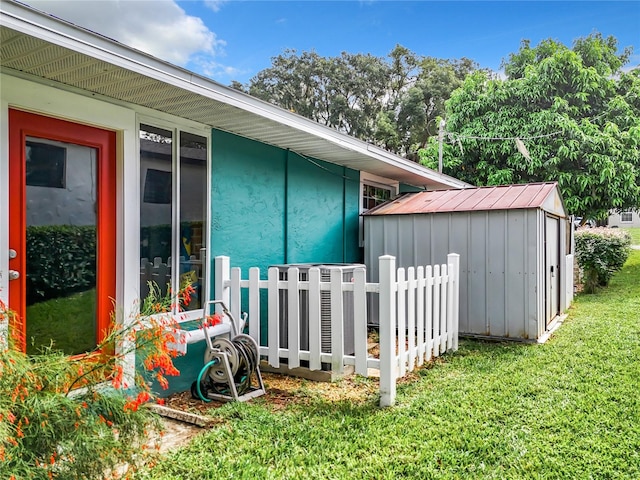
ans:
(285, 128)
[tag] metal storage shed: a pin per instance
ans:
(514, 243)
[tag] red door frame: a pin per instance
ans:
(22, 125)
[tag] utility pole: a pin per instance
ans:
(440, 139)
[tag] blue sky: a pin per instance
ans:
(486, 32)
(235, 39)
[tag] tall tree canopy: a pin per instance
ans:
(390, 102)
(562, 114)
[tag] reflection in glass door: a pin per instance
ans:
(61, 188)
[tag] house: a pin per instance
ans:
(626, 219)
(515, 246)
(150, 166)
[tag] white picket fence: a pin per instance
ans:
(418, 315)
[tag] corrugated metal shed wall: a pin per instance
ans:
(501, 263)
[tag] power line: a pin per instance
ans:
(457, 136)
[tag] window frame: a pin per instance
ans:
(176, 128)
(375, 181)
(622, 219)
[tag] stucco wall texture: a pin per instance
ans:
(271, 206)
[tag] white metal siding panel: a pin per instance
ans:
(406, 242)
(373, 245)
(391, 234)
(541, 282)
(564, 303)
(422, 225)
(439, 238)
(516, 284)
(373, 248)
(531, 286)
(459, 242)
(477, 320)
(496, 263)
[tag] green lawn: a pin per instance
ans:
(568, 409)
(635, 235)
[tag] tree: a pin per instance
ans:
(342, 92)
(237, 86)
(390, 102)
(423, 101)
(565, 115)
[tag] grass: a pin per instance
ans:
(567, 409)
(68, 321)
(635, 235)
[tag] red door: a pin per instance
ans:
(62, 235)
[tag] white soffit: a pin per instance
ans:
(42, 46)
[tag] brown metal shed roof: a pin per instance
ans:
(505, 197)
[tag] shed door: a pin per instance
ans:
(61, 231)
(552, 265)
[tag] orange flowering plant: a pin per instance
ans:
(80, 417)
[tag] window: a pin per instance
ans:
(626, 217)
(374, 190)
(374, 195)
(45, 165)
(173, 173)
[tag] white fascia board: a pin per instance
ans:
(415, 168)
(46, 27)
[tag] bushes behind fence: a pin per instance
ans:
(61, 259)
(600, 253)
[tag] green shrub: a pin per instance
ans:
(600, 253)
(61, 260)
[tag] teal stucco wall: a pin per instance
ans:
(271, 206)
(404, 188)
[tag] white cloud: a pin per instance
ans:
(214, 4)
(160, 28)
(216, 70)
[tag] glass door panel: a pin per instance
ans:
(193, 197)
(61, 196)
(156, 209)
